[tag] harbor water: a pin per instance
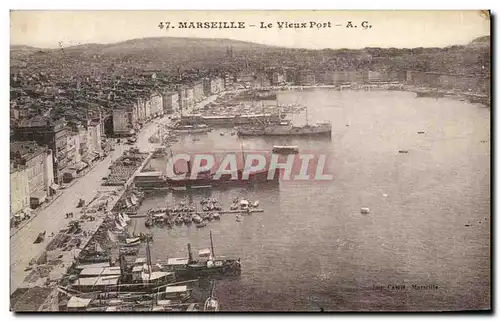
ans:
(425, 245)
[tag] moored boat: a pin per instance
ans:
(211, 305)
(285, 149)
(190, 129)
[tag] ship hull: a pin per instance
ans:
(191, 131)
(289, 132)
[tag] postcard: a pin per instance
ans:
(250, 161)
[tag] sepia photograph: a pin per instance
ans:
(250, 161)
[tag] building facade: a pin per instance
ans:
(19, 190)
(30, 158)
(182, 95)
(305, 78)
(198, 92)
(170, 102)
(46, 133)
(94, 134)
(48, 173)
(190, 98)
(73, 143)
(122, 121)
(213, 85)
(155, 104)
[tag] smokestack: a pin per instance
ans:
(189, 167)
(189, 253)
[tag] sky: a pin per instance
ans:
(399, 29)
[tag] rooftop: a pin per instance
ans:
(25, 150)
(39, 122)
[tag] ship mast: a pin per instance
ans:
(212, 245)
(148, 257)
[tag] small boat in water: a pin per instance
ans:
(131, 242)
(211, 304)
(202, 224)
(285, 149)
(239, 218)
(244, 205)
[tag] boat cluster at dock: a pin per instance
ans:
(187, 214)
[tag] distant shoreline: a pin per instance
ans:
(395, 86)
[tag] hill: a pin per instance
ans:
(170, 53)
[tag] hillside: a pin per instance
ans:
(168, 53)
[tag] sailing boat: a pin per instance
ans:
(132, 241)
(211, 304)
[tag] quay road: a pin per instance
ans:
(52, 219)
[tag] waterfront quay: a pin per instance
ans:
(34, 268)
(51, 220)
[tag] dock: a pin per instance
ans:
(241, 211)
(207, 212)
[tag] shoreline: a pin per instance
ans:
(472, 97)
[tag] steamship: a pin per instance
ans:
(285, 128)
(205, 264)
